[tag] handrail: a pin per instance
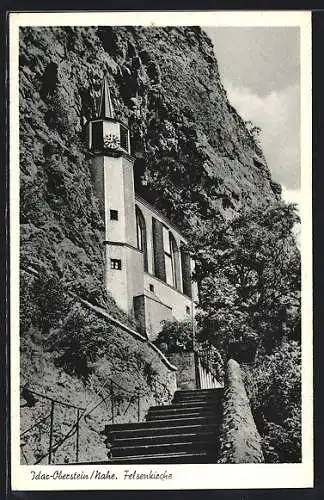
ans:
(75, 426)
(53, 399)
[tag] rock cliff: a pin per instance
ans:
(194, 156)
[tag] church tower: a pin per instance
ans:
(113, 179)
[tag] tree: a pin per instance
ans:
(248, 270)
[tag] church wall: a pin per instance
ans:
(148, 213)
(135, 276)
(116, 279)
(114, 196)
(97, 176)
(170, 297)
(155, 313)
(129, 201)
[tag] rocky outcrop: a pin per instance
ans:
(194, 158)
(194, 155)
(240, 440)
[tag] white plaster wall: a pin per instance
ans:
(116, 281)
(114, 199)
(135, 276)
(170, 297)
(148, 213)
(155, 313)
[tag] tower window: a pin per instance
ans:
(115, 264)
(187, 309)
(113, 214)
(151, 288)
(123, 137)
(97, 136)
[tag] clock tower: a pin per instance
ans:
(113, 179)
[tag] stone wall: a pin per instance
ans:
(186, 371)
(240, 440)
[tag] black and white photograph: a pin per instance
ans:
(160, 246)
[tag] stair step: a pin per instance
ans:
(185, 404)
(200, 391)
(211, 394)
(198, 402)
(170, 458)
(164, 438)
(210, 401)
(180, 414)
(159, 431)
(151, 449)
(183, 409)
(173, 422)
(194, 395)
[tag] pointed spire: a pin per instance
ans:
(106, 109)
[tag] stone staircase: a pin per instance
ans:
(187, 431)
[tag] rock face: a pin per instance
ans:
(194, 158)
(194, 155)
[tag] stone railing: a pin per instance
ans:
(240, 440)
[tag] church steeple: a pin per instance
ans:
(106, 134)
(106, 109)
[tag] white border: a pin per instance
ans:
(208, 476)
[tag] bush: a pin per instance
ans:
(176, 335)
(274, 388)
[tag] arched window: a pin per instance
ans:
(141, 236)
(170, 255)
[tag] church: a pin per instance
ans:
(147, 270)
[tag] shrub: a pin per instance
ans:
(176, 335)
(274, 388)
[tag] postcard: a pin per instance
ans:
(160, 250)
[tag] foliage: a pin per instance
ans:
(254, 130)
(81, 340)
(248, 269)
(210, 359)
(274, 387)
(176, 335)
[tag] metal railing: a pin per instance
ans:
(122, 403)
(206, 378)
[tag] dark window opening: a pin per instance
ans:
(158, 253)
(141, 236)
(115, 264)
(187, 309)
(113, 214)
(97, 136)
(170, 249)
(124, 137)
(186, 273)
(151, 288)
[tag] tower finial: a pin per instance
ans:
(106, 109)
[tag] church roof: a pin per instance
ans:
(106, 109)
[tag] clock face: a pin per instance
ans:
(111, 141)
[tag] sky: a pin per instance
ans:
(259, 68)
